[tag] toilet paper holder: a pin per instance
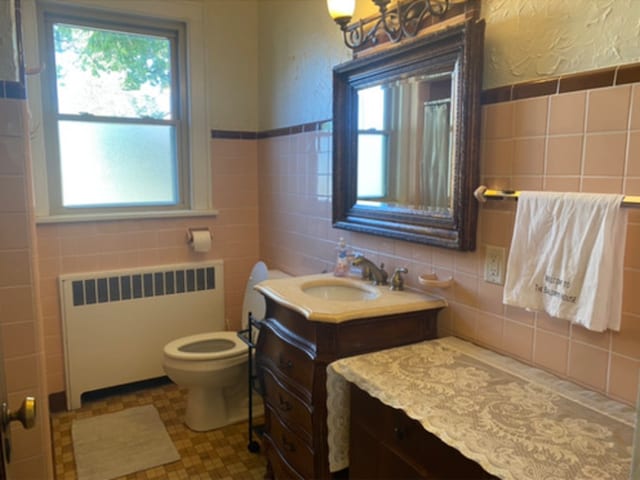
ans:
(190, 232)
(199, 238)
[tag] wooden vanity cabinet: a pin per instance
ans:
(385, 443)
(292, 355)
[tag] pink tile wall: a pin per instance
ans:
(20, 320)
(96, 246)
(584, 141)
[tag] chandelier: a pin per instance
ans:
(402, 20)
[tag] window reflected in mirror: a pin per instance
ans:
(373, 145)
(405, 130)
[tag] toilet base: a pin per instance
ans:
(208, 408)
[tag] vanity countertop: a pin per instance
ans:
(516, 421)
(290, 293)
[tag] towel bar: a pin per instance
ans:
(483, 194)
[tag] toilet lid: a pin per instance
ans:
(253, 300)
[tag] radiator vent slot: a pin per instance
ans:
(142, 285)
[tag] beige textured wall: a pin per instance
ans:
(232, 66)
(531, 39)
(299, 44)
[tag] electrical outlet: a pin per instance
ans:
(494, 265)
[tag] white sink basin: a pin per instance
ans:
(340, 291)
(325, 298)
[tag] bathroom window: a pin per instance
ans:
(115, 112)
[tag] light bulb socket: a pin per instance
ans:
(382, 4)
(342, 21)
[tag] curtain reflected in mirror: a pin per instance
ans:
(435, 172)
(404, 138)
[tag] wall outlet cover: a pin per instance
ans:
(494, 264)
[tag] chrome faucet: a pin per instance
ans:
(370, 271)
(397, 282)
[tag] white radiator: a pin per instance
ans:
(116, 323)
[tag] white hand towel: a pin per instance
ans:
(567, 257)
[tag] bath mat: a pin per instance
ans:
(116, 444)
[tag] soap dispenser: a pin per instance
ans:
(342, 261)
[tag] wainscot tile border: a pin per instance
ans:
(321, 126)
(606, 77)
(12, 90)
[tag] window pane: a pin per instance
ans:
(117, 165)
(112, 74)
(371, 166)
(371, 108)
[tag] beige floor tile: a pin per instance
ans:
(216, 454)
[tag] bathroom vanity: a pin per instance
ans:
(310, 322)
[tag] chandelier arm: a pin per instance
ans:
(412, 17)
(443, 7)
(401, 21)
(393, 34)
(353, 35)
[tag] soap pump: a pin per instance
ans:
(342, 261)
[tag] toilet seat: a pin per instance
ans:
(228, 345)
(222, 344)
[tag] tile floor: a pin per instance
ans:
(218, 454)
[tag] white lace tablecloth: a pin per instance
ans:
(516, 421)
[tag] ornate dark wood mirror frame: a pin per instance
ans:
(458, 43)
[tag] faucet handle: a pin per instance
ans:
(383, 274)
(397, 281)
(366, 272)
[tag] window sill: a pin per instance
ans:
(108, 217)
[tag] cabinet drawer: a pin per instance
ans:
(378, 462)
(401, 438)
(290, 446)
(290, 361)
(288, 406)
(280, 469)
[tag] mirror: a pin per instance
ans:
(406, 138)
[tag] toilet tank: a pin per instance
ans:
(272, 274)
(253, 300)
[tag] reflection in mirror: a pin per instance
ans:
(404, 143)
(406, 132)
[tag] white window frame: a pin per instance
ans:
(198, 171)
(385, 134)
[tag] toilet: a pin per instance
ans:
(214, 366)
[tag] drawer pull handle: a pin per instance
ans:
(399, 433)
(285, 364)
(284, 405)
(287, 445)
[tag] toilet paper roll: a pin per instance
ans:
(200, 240)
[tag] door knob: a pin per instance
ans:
(26, 414)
